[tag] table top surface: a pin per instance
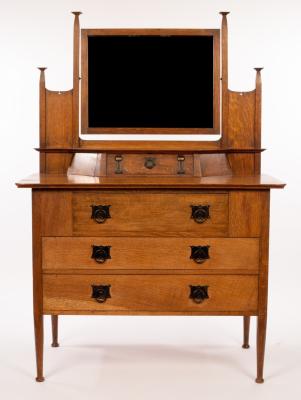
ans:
(56, 181)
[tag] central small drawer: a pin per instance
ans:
(139, 213)
(107, 253)
(149, 293)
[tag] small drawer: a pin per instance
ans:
(140, 213)
(149, 293)
(149, 164)
(108, 253)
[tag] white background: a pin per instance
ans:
(156, 357)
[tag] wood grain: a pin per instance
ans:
(263, 284)
(214, 164)
(56, 213)
(149, 253)
(224, 78)
(75, 94)
(156, 293)
(257, 127)
(149, 213)
(245, 214)
(37, 283)
(42, 118)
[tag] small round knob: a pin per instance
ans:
(150, 162)
(200, 213)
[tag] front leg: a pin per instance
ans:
(39, 342)
(261, 335)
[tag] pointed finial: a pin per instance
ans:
(224, 13)
(76, 13)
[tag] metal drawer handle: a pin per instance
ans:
(150, 162)
(101, 293)
(100, 213)
(200, 213)
(101, 253)
(198, 293)
(199, 254)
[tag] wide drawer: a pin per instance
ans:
(107, 253)
(141, 213)
(150, 293)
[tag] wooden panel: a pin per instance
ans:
(150, 293)
(58, 163)
(134, 164)
(56, 213)
(145, 213)
(214, 164)
(241, 119)
(242, 164)
(58, 118)
(245, 214)
(149, 253)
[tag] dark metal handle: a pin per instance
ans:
(150, 162)
(100, 213)
(101, 253)
(101, 293)
(181, 160)
(198, 293)
(199, 254)
(200, 213)
(118, 160)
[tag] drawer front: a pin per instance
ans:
(149, 164)
(141, 213)
(149, 293)
(105, 253)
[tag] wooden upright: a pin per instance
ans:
(198, 211)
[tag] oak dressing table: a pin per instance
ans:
(150, 227)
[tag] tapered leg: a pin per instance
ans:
(261, 335)
(246, 333)
(39, 341)
(54, 323)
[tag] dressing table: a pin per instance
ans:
(150, 227)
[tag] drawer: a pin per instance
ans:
(150, 164)
(149, 293)
(139, 213)
(105, 253)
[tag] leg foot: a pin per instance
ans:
(39, 342)
(261, 335)
(54, 323)
(246, 333)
